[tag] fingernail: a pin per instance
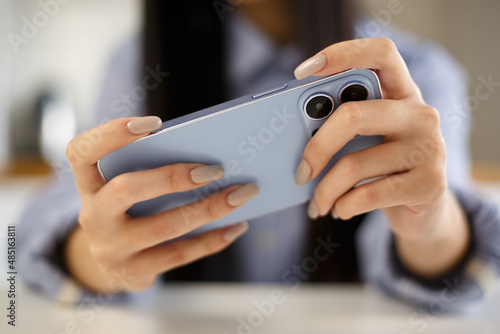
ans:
(243, 194)
(312, 210)
(335, 215)
(311, 66)
(303, 173)
(206, 174)
(144, 125)
(235, 231)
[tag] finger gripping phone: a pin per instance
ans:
(257, 138)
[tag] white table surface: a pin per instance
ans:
(209, 308)
(217, 308)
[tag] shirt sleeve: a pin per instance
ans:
(47, 221)
(444, 86)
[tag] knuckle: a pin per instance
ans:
(370, 194)
(102, 258)
(135, 238)
(350, 115)
(439, 155)
(213, 210)
(118, 189)
(431, 188)
(87, 218)
(430, 117)
(163, 231)
(441, 187)
(387, 43)
(389, 47)
(396, 182)
(173, 179)
(352, 164)
(438, 183)
(179, 257)
(84, 217)
(117, 185)
(315, 148)
(99, 205)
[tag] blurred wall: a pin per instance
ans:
(470, 30)
(72, 49)
(5, 18)
(74, 46)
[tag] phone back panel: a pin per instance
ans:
(257, 139)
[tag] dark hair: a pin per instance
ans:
(186, 38)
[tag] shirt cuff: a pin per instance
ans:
(474, 279)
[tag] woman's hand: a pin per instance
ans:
(430, 228)
(110, 251)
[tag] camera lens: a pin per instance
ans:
(354, 93)
(319, 106)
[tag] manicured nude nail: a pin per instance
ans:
(311, 66)
(303, 173)
(206, 174)
(235, 231)
(144, 125)
(312, 210)
(335, 215)
(243, 194)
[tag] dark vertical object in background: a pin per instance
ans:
(186, 38)
(324, 22)
(342, 264)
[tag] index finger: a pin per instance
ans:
(87, 148)
(379, 54)
(366, 118)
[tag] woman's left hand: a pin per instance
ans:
(412, 191)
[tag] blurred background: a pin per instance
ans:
(59, 69)
(53, 56)
(469, 30)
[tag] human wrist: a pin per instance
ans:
(441, 248)
(80, 263)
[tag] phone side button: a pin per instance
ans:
(270, 91)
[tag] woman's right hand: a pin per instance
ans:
(111, 251)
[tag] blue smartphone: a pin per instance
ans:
(257, 138)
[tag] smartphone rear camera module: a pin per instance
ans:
(319, 106)
(352, 93)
